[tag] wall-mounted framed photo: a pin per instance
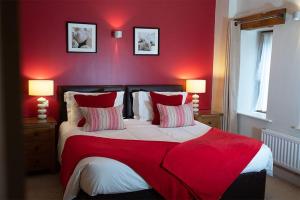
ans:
(81, 37)
(146, 41)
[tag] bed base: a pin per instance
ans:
(249, 186)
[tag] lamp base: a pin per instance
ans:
(196, 104)
(42, 117)
(42, 105)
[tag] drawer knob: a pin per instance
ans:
(209, 123)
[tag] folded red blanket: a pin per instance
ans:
(208, 165)
(202, 168)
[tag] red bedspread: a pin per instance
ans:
(202, 168)
(144, 157)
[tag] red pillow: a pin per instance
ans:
(173, 100)
(99, 101)
(189, 98)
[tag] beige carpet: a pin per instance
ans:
(47, 187)
(277, 189)
(43, 187)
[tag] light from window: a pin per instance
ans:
(263, 71)
(254, 72)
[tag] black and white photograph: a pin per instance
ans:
(81, 37)
(146, 41)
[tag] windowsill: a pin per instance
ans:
(256, 115)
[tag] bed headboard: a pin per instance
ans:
(129, 89)
(135, 88)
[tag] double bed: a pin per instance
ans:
(105, 178)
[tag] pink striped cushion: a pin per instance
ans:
(103, 118)
(176, 116)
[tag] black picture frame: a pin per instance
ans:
(146, 50)
(69, 37)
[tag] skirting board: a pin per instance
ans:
(286, 175)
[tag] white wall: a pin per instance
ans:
(283, 105)
(221, 24)
(284, 91)
(247, 7)
(224, 9)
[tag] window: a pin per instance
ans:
(263, 71)
(255, 64)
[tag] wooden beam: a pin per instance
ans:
(261, 20)
(262, 23)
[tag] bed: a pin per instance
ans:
(93, 176)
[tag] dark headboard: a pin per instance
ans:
(135, 88)
(83, 88)
(127, 112)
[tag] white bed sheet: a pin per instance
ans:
(99, 175)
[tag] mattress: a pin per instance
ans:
(99, 175)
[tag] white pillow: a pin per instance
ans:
(135, 104)
(73, 111)
(142, 104)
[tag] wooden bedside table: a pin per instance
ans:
(39, 144)
(210, 118)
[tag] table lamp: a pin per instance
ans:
(195, 87)
(41, 88)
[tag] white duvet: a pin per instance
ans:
(99, 175)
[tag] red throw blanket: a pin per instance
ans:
(144, 157)
(202, 168)
(208, 165)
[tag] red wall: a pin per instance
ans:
(186, 44)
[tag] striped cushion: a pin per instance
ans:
(103, 118)
(176, 116)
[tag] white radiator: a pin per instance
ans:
(285, 149)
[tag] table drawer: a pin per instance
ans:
(39, 144)
(37, 134)
(38, 149)
(213, 122)
(36, 163)
(210, 120)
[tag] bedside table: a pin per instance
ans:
(39, 144)
(210, 118)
